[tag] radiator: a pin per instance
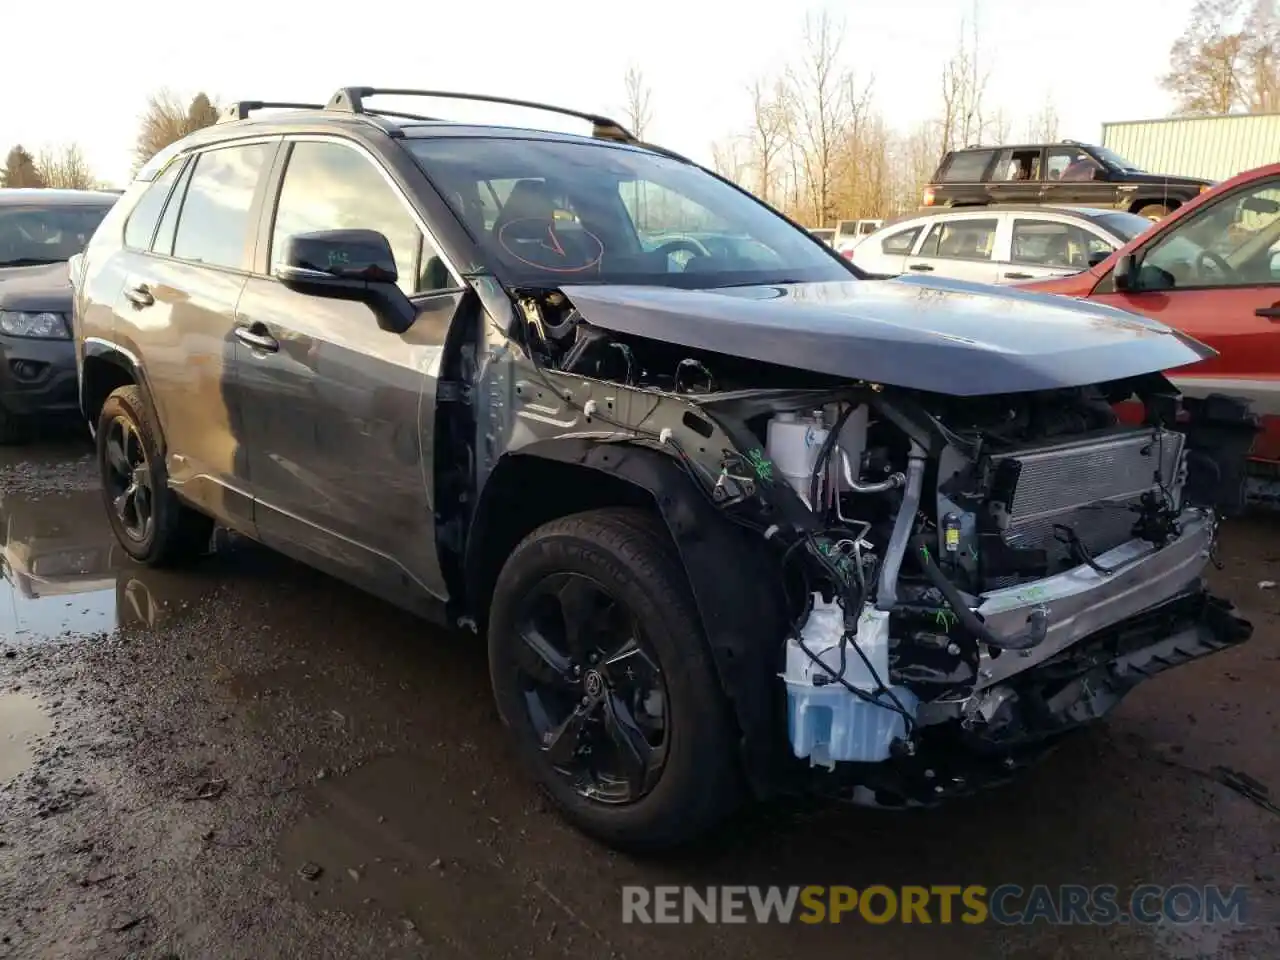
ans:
(1089, 484)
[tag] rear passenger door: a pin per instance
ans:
(339, 414)
(176, 312)
(959, 247)
(1016, 177)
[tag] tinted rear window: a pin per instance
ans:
(967, 167)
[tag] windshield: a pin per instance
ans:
(40, 233)
(1126, 226)
(1114, 159)
(550, 212)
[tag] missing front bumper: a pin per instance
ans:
(984, 742)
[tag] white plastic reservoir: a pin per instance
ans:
(792, 443)
(828, 723)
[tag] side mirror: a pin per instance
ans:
(348, 265)
(1125, 274)
(1098, 256)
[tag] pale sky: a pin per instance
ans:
(82, 71)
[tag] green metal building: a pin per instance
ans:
(1214, 148)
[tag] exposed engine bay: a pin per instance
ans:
(980, 571)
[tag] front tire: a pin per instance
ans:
(601, 672)
(147, 518)
(1154, 211)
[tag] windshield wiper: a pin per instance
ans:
(28, 262)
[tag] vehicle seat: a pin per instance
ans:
(529, 200)
(1057, 252)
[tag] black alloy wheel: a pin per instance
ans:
(595, 698)
(128, 479)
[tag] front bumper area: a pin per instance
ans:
(968, 746)
(38, 377)
(1083, 601)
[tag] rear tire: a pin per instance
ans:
(148, 519)
(1153, 211)
(627, 556)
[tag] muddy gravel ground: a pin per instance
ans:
(250, 760)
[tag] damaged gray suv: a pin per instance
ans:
(734, 521)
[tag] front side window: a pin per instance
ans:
(1070, 164)
(967, 166)
(961, 240)
(142, 221)
(1234, 242)
(900, 242)
(559, 212)
(1050, 243)
(330, 186)
(47, 232)
(213, 224)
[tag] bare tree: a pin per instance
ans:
(964, 84)
(1042, 126)
(820, 89)
(166, 121)
(727, 159)
(770, 126)
(20, 170)
(1261, 58)
(639, 108)
(1206, 61)
(65, 168)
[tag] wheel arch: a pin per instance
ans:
(734, 576)
(106, 367)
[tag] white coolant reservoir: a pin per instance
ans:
(827, 722)
(792, 443)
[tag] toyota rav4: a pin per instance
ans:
(734, 521)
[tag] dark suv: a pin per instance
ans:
(1077, 174)
(40, 230)
(732, 519)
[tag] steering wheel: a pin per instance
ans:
(679, 245)
(1220, 266)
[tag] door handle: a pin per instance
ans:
(921, 267)
(1017, 276)
(255, 336)
(140, 296)
(1271, 313)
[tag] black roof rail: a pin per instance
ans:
(241, 109)
(351, 100)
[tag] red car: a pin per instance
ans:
(1212, 270)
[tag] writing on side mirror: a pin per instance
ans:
(343, 254)
(348, 265)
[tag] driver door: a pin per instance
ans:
(339, 414)
(1215, 275)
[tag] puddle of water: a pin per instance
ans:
(389, 838)
(64, 572)
(21, 721)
